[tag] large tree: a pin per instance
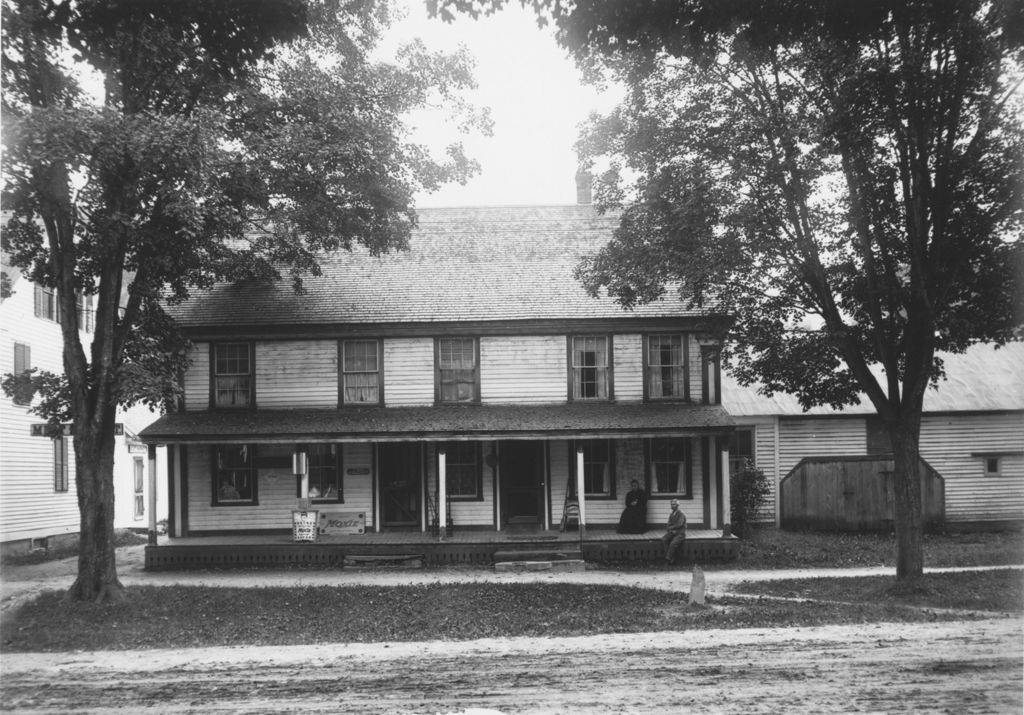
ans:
(845, 178)
(224, 140)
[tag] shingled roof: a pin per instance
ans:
(359, 424)
(983, 379)
(465, 264)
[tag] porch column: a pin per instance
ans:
(152, 494)
(579, 492)
(442, 496)
(300, 470)
(726, 494)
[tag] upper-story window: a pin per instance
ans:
(360, 372)
(457, 370)
(232, 375)
(668, 468)
(46, 306)
(234, 474)
(589, 361)
(666, 367)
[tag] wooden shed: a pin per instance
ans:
(851, 494)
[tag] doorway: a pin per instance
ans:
(521, 469)
(398, 468)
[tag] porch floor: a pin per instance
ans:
(459, 536)
(459, 547)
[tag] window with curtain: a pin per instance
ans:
(323, 462)
(668, 467)
(234, 474)
(232, 365)
(458, 375)
(666, 367)
(360, 372)
(590, 362)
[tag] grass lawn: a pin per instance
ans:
(176, 617)
(182, 617)
(771, 548)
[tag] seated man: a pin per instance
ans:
(675, 534)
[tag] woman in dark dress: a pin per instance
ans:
(634, 516)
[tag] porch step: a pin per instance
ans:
(561, 566)
(549, 554)
(407, 560)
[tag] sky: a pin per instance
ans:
(537, 100)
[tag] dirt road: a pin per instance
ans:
(944, 667)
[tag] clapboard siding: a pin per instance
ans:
(947, 443)
(801, 438)
(466, 513)
(197, 378)
(293, 373)
(408, 371)
(29, 506)
(696, 383)
(357, 481)
(629, 465)
(523, 369)
(765, 433)
(275, 489)
(629, 368)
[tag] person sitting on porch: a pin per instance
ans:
(675, 534)
(634, 516)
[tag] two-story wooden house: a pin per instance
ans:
(470, 375)
(38, 501)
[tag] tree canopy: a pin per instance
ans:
(846, 179)
(154, 147)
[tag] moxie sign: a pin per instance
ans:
(342, 522)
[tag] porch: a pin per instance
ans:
(466, 547)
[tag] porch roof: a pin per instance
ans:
(445, 422)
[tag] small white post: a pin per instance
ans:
(579, 491)
(442, 497)
(726, 494)
(152, 494)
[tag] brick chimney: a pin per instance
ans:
(584, 187)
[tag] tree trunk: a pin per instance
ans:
(908, 508)
(94, 464)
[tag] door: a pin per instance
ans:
(521, 472)
(399, 471)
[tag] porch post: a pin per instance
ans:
(726, 494)
(442, 496)
(152, 494)
(579, 492)
(299, 465)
